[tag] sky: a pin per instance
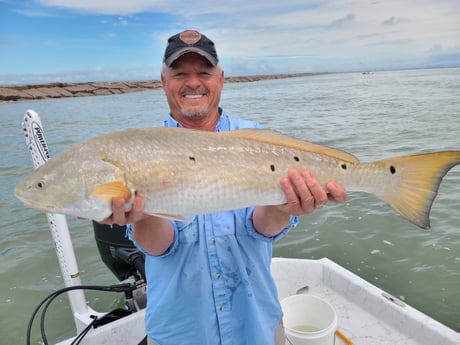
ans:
(45, 41)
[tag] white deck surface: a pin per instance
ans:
(365, 316)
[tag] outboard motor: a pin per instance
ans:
(122, 258)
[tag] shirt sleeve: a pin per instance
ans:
(253, 232)
(171, 249)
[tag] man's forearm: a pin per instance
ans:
(155, 235)
(270, 220)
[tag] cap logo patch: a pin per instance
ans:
(190, 36)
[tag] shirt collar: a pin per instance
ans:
(222, 124)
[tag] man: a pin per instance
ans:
(209, 281)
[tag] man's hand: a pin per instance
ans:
(304, 193)
(121, 217)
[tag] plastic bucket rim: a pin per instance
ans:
(332, 326)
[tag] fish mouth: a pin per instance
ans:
(29, 202)
(34, 205)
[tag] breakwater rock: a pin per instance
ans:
(60, 90)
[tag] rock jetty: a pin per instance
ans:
(60, 90)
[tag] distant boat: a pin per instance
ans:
(367, 73)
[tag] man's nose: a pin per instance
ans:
(193, 81)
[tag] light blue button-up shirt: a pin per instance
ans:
(213, 286)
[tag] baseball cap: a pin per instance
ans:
(189, 41)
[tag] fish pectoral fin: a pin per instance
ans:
(274, 138)
(171, 217)
(112, 190)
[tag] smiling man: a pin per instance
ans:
(192, 80)
(209, 281)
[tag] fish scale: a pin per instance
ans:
(187, 172)
(232, 184)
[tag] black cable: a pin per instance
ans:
(82, 334)
(112, 288)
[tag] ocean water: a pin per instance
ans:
(372, 116)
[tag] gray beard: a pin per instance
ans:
(196, 113)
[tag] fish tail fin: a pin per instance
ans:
(416, 181)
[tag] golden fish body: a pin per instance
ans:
(186, 172)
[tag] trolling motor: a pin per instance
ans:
(117, 252)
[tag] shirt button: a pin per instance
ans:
(222, 308)
(217, 275)
(212, 241)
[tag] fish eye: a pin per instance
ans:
(41, 184)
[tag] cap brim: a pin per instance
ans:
(170, 60)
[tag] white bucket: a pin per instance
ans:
(308, 320)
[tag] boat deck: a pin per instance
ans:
(366, 314)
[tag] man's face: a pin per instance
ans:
(192, 86)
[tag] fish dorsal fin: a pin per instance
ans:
(274, 138)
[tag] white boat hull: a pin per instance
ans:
(366, 314)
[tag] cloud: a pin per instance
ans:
(122, 21)
(254, 36)
(34, 12)
(394, 21)
(97, 73)
(438, 55)
(178, 7)
(349, 18)
(113, 7)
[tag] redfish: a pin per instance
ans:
(184, 172)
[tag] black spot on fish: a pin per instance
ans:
(192, 159)
(272, 167)
(297, 159)
(392, 170)
(344, 166)
(41, 184)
